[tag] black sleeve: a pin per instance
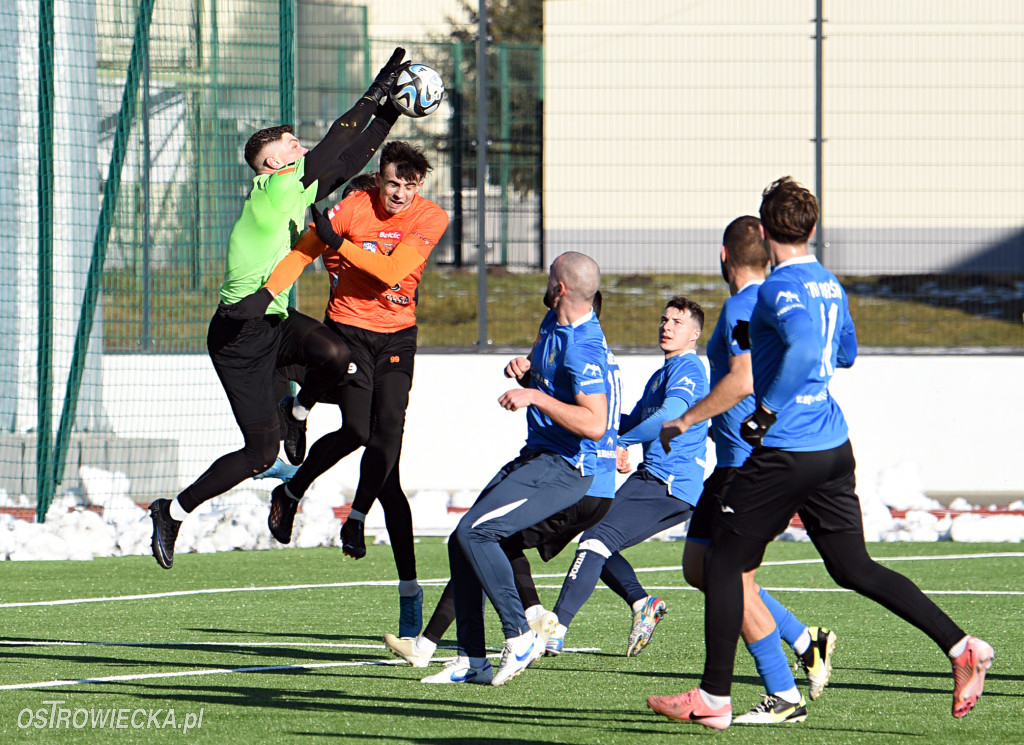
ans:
(347, 147)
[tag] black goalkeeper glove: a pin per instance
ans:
(381, 85)
(250, 307)
(755, 426)
(324, 229)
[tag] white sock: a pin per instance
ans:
(408, 588)
(357, 515)
(956, 651)
(559, 632)
(534, 612)
(639, 604)
(299, 411)
(423, 645)
(802, 642)
(792, 696)
(177, 511)
(714, 701)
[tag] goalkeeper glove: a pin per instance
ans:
(381, 85)
(324, 229)
(755, 426)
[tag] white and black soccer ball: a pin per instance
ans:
(418, 90)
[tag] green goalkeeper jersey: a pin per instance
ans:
(270, 224)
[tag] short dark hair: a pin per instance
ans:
(743, 240)
(789, 212)
(691, 306)
(410, 164)
(261, 139)
(362, 182)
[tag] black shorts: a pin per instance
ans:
(291, 357)
(774, 484)
(376, 353)
(553, 534)
(244, 354)
(709, 506)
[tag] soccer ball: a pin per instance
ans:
(418, 90)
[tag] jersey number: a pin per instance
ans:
(614, 400)
(828, 328)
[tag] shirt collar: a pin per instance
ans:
(808, 259)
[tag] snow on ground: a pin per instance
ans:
(105, 521)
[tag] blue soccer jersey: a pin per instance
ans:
(674, 388)
(800, 332)
(731, 338)
(566, 361)
(604, 476)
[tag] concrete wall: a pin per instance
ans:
(950, 418)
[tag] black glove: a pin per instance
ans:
(381, 85)
(755, 426)
(251, 306)
(324, 230)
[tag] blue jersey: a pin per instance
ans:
(684, 379)
(800, 332)
(604, 476)
(566, 361)
(731, 338)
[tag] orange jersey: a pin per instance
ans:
(360, 299)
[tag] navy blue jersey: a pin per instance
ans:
(682, 377)
(731, 338)
(566, 361)
(604, 476)
(800, 332)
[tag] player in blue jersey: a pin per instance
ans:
(567, 414)
(659, 495)
(802, 462)
(744, 261)
(549, 536)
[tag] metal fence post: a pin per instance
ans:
(44, 355)
(819, 127)
(481, 175)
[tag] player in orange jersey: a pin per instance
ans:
(375, 245)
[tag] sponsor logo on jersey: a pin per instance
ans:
(591, 369)
(787, 295)
(370, 246)
(396, 299)
(396, 234)
(394, 359)
(426, 241)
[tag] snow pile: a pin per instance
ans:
(104, 520)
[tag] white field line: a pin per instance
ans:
(216, 670)
(435, 582)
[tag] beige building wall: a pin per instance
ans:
(664, 120)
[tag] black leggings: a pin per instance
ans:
(347, 147)
(374, 419)
(847, 561)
